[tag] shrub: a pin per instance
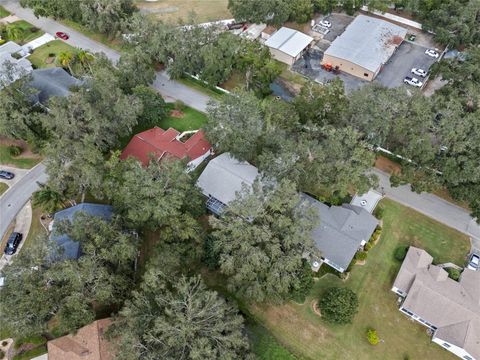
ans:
(401, 252)
(179, 105)
(372, 336)
(34, 29)
(14, 150)
(4, 343)
(379, 211)
(338, 305)
(2, 354)
(368, 246)
(305, 284)
(453, 273)
(52, 54)
(361, 255)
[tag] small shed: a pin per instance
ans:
(287, 45)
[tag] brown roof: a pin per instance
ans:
(451, 306)
(88, 343)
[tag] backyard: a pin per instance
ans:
(174, 10)
(303, 332)
(45, 55)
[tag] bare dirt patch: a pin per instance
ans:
(315, 308)
(387, 165)
(26, 151)
(177, 114)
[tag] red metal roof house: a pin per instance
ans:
(167, 144)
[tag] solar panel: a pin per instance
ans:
(215, 206)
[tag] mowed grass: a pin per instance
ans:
(39, 56)
(3, 12)
(174, 10)
(20, 162)
(101, 38)
(30, 32)
(304, 333)
(191, 120)
(3, 188)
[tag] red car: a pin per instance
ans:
(61, 35)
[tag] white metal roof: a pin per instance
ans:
(367, 42)
(289, 41)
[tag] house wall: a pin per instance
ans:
(281, 56)
(349, 67)
(192, 165)
(333, 265)
(461, 353)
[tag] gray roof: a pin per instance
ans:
(367, 42)
(224, 176)
(52, 82)
(20, 67)
(289, 41)
(341, 231)
(451, 306)
(71, 248)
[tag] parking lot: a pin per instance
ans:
(407, 56)
(339, 24)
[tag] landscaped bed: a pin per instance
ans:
(304, 333)
(29, 32)
(22, 161)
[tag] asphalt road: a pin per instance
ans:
(171, 90)
(433, 206)
(17, 196)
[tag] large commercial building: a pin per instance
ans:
(364, 47)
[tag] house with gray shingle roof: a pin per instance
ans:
(70, 249)
(52, 82)
(449, 308)
(342, 231)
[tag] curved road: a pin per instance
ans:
(13, 200)
(428, 204)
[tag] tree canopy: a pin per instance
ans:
(260, 239)
(179, 318)
(338, 305)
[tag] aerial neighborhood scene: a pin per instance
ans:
(239, 179)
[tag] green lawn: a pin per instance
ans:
(101, 38)
(40, 55)
(203, 88)
(30, 32)
(23, 163)
(191, 120)
(301, 331)
(3, 12)
(3, 188)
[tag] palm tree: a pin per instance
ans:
(14, 32)
(85, 58)
(48, 199)
(65, 58)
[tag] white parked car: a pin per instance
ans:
(474, 262)
(432, 53)
(419, 72)
(412, 81)
(326, 23)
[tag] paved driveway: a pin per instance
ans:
(19, 173)
(407, 56)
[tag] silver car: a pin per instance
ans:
(473, 262)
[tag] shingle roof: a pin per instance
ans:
(453, 307)
(224, 176)
(71, 248)
(52, 82)
(367, 42)
(89, 343)
(163, 143)
(20, 67)
(341, 231)
(289, 41)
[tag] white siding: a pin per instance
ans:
(452, 348)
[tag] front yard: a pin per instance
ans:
(23, 161)
(45, 55)
(303, 332)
